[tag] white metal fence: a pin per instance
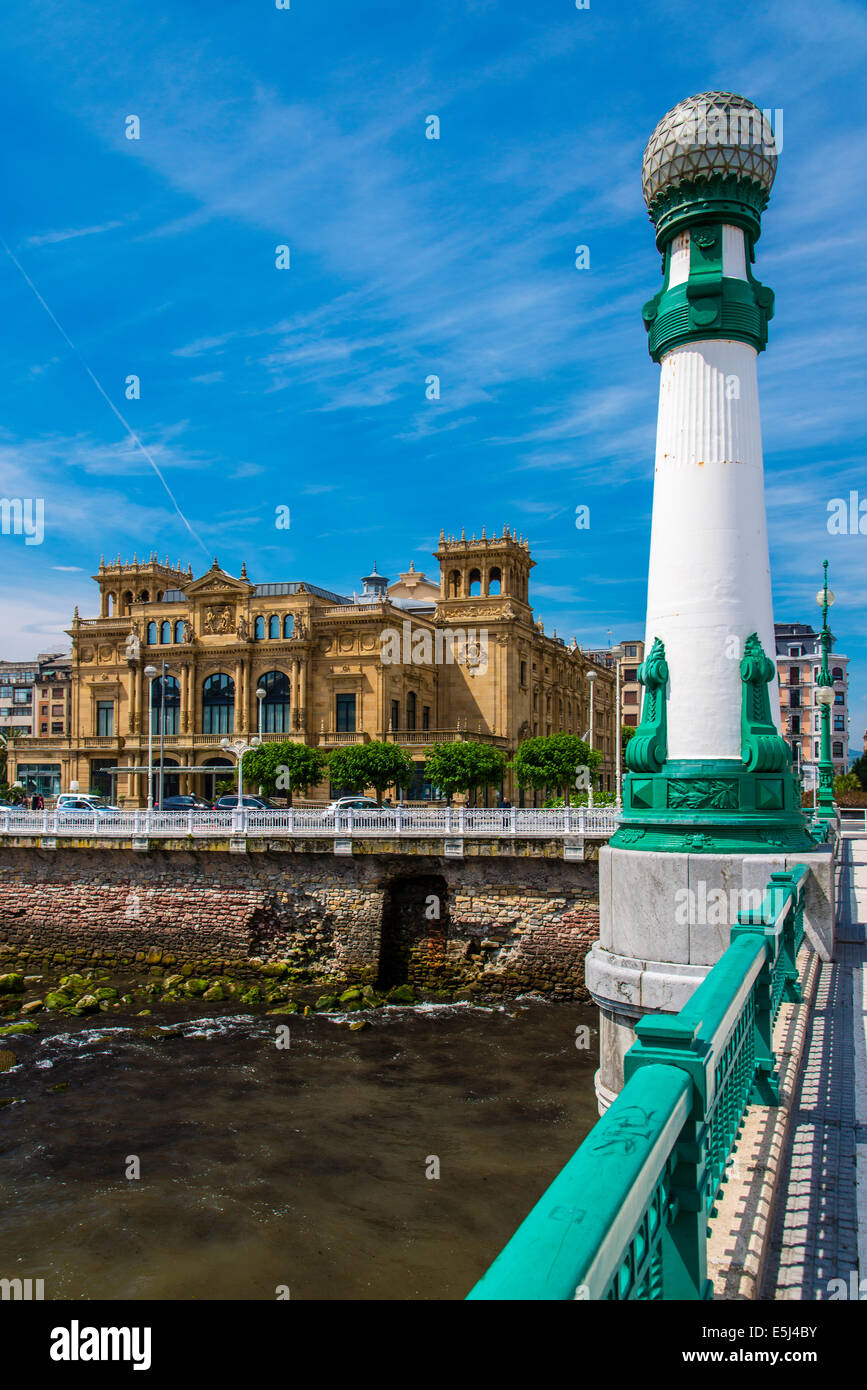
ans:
(390, 821)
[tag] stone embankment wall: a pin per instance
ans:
(473, 927)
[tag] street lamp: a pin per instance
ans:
(825, 698)
(591, 676)
(239, 747)
(151, 673)
(165, 667)
(260, 696)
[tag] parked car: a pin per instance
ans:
(183, 803)
(353, 803)
(255, 803)
(83, 801)
(75, 804)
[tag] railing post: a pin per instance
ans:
(448, 819)
(567, 818)
(6, 821)
(189, 822)
(399, 820)
(668, 1039)
(462, 819)
(766, 1084)
(789, 943)
(291, 826)
(513, 819)
(582, 819)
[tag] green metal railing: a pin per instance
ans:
(626, 1218)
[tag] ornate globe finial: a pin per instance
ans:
(714, 154)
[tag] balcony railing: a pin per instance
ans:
(389, 821)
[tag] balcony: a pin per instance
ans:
(425, 737)
(333, 739)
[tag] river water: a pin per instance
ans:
(299, 1168)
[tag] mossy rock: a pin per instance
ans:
(87, 1004)
(154, 987)
(195, 987)
(402, 994)
(276, 968)
(33, 1007)
(214, 994)
(326, 1002)
(106, 992)
(58, 999)
(350, 995)
(13, 983)
(358, 1025)
(253, 995)
(171, 980)
(27, 1027)
(290, 1007)
(186, 969)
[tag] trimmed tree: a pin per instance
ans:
(554, 761)
(378, 765)
(464, 767)
(284, 767)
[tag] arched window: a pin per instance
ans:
(179, 631)
(165, 632)
(475, 583)
(276, 706)
(259, 629)
(144, 597)
(288, 625)
(127, 601)
(273, 626)
(165, 703)
(495, 581)
(837, 673)
(112, 605)
(218, 704)
(410, 710)
(454, 585)
(152, 633)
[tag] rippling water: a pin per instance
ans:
(302, 1167)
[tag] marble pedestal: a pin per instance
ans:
(664, 920)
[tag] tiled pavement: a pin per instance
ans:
(824, 1180)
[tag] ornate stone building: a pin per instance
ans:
(413, 662)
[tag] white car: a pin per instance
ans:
(353, 803)
(71, 801)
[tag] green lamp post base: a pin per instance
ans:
(713, 807)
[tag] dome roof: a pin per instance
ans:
(711, 134)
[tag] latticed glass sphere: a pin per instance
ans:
(714, 134)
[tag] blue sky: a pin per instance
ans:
(409, 257)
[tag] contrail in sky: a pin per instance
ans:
(105, 396)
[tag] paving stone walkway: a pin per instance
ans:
(823, 1187)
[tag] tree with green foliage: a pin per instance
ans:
(554, 761)
(284, 767)
(375, 764)
(627, 733)
(847, 782)
(465, 766)
(859, 767)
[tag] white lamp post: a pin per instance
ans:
(151, 673)
(239, 747)
(260, 696)
(591, 676)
